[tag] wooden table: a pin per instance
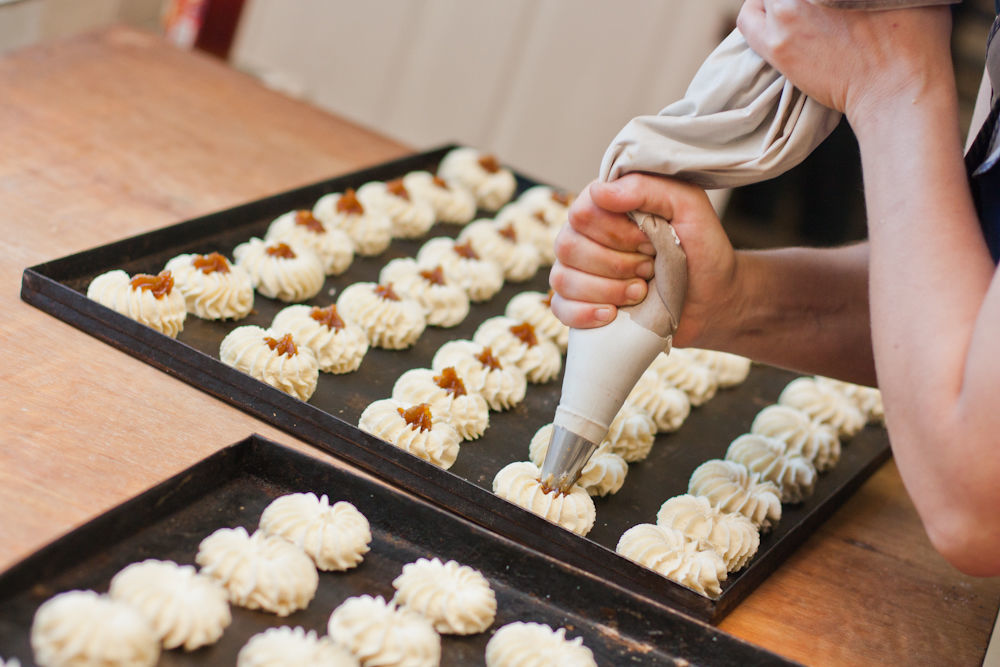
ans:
(116, 133)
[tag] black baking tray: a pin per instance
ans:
(329, 419)
(232, 487)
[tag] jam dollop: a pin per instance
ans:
(508, 233)
(397, 188)
(160, 285)
(211, 263)
(386, 292)
(348, 203)
(434, 276)
(450, 382)
(466, 250)
(328, 317)
(487, 359)
(547, 301)
(489, 163)
(418, 416)
(526, 333)
(561, 198)
(284, 345)
(440, 182)
(306, 219)
(281, 251)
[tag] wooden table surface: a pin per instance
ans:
(116, 133)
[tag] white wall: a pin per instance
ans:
(25, 22)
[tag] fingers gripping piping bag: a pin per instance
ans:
(740, 122)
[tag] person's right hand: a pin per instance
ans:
(602, 255)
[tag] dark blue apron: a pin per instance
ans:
(982, 162)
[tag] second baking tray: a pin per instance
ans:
(328, 420)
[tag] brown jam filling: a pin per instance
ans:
(308, 220)
(466, 250)
(348, 203)
(328, 317)
(509, 233)
(434, 276)
(284, 345)
(397, 188)
(540, 217)
(386, 292)
(160, 284)
(211, 263)
(547, 301)
(489, 163)
(526, 333)
(440, 182)
(281, 250)
(418, 416)
(561, 198)
(450, 382)
(487, 359)
(550, 489)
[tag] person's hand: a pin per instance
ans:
(850, 60)
(601, 254)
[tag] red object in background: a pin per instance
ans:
(208, 25)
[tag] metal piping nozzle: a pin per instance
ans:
(565, 458)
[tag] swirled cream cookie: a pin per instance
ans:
(444, 391)
(259, 571)
(333, 246)
(147, 299)
(674, 555)
(632, 433)
(369, 229)
(768, 457)
(213, 288)
(517, 342)
(411, 216)
(536, 309)
(530, 225)
(521, 644)
(520, 483)
(379, 633)
(414, 429)
(276, 647)
(184, 608)
(275, 359)
(451, 204)
(283, 270)
(730, 369)
(823, 403)
(336, 536)
(866, 399)
(603, 474)
(84, 628)
(389, 319)
(552, 204)
(731, 487)
(502, 385)
(680, 369)
(445, 302)
(480, 277)
(518, 259)
(667, 405)
(456, 598)
(339, 345)
(729, 534)
(801, 434)
(490, 183)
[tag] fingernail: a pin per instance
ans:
(635, 291)
(602, 314)
(644, 270)
(647, 249)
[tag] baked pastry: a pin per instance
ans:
(283, 270)
(502, 385)
(339, 345)
(389, 319)
(632, 433)
(731, 487)
(667, 405)
(489, 182)
(412, 428)
(284, 645)
(370, 229)
(456, 598)
(259, 571)
(530, 225)
(213, 288)
(768, 457)
(273, 358)
(824, 403)
(147, 299)
(379, 633)
(674, 555)
(518, 259)
(184, 608)
(84, 628)
(680, 369)
(333, 246)
(729, 534)
(445, 302)
(520, 483)
(801, 434)
(335, 537)
(521, 644)
(480, 277)
(411, 216)
(552, 204)
(517, 342)
(451, 204)
(603, 474)
(467, 412)
(536, 308)
(730, 369)
(867, 399)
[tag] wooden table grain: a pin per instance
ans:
(116, 133)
